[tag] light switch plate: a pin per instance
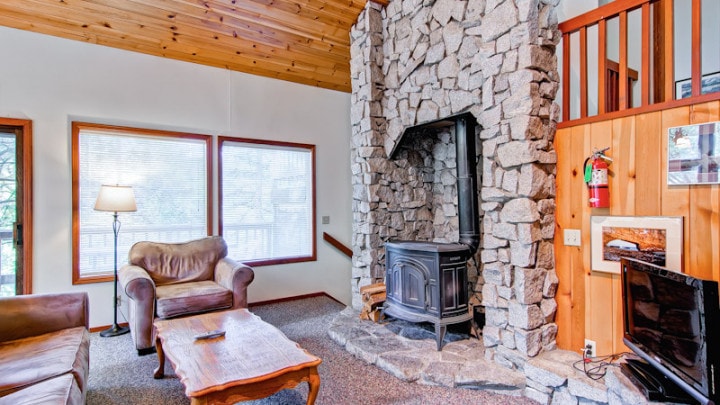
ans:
(325, 220)
(571, 237)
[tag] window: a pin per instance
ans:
(170, 175)
(267, 210)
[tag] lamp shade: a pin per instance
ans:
(115, 199)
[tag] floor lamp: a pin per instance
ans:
(115, 199)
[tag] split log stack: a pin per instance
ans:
(373, 296)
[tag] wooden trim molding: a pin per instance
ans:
(27, 205)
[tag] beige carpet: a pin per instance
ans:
(119, 376)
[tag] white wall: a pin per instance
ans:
(53, 81)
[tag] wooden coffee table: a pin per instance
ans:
(253, 360)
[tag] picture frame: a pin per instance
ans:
(693, 154)
(657, 240)
(710, 84)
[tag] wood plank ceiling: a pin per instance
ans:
(303, 41)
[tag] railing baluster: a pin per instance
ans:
(602, 67)
(669, 48)
(645, 49)
(623, 87)
(566, 77)
(696, 50)
(583, 73)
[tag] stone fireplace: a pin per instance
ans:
(414, 62)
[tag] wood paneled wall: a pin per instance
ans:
(589, 302)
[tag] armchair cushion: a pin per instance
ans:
(193, 297)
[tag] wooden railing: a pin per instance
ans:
(657, 87)
(337, 244)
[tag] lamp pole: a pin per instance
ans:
(115, 329)
(115, 199)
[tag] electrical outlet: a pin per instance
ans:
(571, 237)
(590, 349)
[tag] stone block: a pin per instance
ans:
(508, 339)
(506, 293)
(460, 100)
(494, 273)
(505, 230)
(453, 35)
(491, 242)
(529, 232)
(529, 284)
(496, 317)
(563, 397)
(583, 387)
(499, 20)
(529, 342)
(550, 284)
(548, 306)
(523, 255)
(520, 210)
(524, 316)
(491, 335)
(624, 390)
(549, 334)
(488, 255)
(546, 254)
(517, 153)
(532, 181)
(510, 181)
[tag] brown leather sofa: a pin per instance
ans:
(166, 280)
(44, 349)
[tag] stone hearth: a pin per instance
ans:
(407, 351)
(417, 61)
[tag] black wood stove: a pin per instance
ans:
(427, 281)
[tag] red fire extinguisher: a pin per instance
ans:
(596, 178)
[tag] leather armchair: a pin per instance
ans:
(166, 280)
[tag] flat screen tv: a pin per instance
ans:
(672, 322)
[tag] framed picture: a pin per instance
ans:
(710, 84)
(693, 154)
(656, 240)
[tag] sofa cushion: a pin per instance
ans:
(171, 263)
(59, 390)
(190, 298)
(33, 359)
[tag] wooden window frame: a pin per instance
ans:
(311, 148)
(77, 127)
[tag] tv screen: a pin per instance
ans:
(671, 320)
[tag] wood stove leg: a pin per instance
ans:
(439, 335)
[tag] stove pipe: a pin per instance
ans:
(467, 181)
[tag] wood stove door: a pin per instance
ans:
(407, 284)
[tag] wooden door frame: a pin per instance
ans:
(27, 203)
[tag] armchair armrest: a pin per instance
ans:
(31, 315)
(137, 284)
(235, 277)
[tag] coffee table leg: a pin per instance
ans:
(314, 383)
(160, 371)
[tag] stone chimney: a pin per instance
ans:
(418, 61)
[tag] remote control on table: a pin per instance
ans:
(210, 335)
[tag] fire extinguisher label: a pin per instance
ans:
(599, 177)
